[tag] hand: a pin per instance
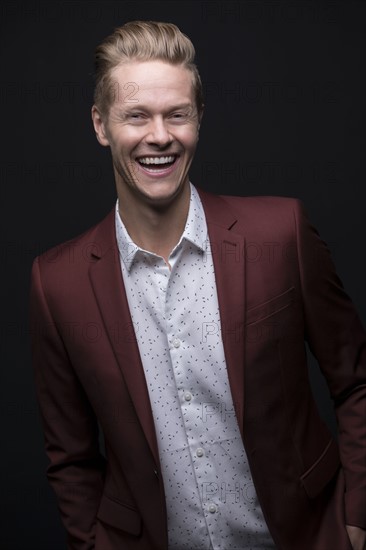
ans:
(357, 536)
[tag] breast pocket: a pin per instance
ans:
(270, 307)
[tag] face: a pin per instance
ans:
(152, 130)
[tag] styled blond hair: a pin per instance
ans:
(142, 41)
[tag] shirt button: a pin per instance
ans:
(200, 452)
(187, 396)
(176, 342)
(212, 508)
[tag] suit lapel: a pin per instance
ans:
(107, 282)
(227, 249)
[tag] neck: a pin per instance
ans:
(155, 228)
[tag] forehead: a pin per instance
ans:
(140, 82)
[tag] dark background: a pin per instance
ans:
(285, 115)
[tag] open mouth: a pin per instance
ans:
(157, 163)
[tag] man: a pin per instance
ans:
(162, 326)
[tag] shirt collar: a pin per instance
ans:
(195, 232)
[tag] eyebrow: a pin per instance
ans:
(141, 107)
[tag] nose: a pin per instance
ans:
(158, 133)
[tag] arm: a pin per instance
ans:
(338, 341)
(76, 467)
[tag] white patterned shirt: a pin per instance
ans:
(210, 497)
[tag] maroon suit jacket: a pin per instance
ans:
(276, 287)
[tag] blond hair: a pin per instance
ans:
(142, 41)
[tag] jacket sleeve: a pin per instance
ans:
(338, 341)
(76, 467)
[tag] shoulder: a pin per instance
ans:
(249, 203)
(262, 204)
(259, 201)
(255, 212)
(76, 254)
(267, 209)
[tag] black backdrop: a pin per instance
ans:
(285, 115)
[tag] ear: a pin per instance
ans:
(99, 126)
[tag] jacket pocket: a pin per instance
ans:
(270, 307)
(322, 470)
(119, 515)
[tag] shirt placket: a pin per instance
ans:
(191, 400)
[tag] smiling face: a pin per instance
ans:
(152, 130)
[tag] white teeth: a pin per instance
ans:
(156, 160)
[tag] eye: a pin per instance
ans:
(136, 118)
(179, 116)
